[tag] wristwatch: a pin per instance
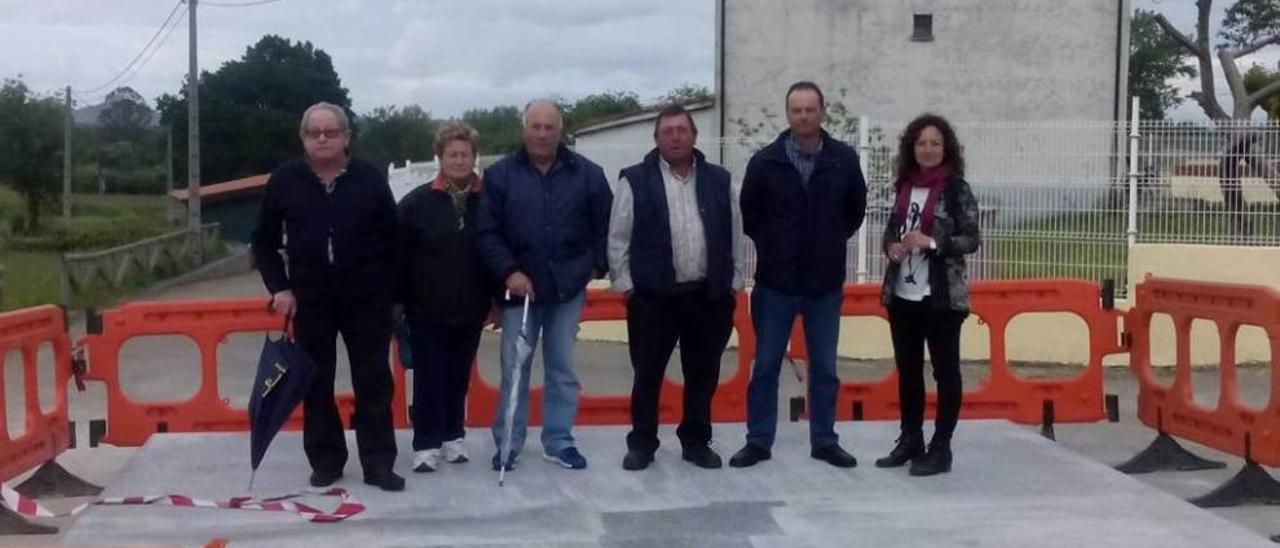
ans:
(933, 244)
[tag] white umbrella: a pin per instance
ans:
(524, 349)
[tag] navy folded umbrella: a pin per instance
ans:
(404, 346)
(285, 373)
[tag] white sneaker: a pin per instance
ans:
(427, 460)
(455, 451)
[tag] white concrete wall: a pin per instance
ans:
(1003, 60)
(990, 60)
(620, 146)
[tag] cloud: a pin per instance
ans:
(446, 55)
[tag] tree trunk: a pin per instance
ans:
(1239, 149)
(33, 212)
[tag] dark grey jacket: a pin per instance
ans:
(955, 229)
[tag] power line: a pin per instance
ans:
(136, 58)
(159, 45)
(238, 4)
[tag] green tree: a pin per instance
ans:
(1247, 27)
(685, 94)
(1248, 21)
(1257, 78)
(394, 134)
(250, 107)
(128, 150)
(599, 106)
(126, 116)
(499, 128)
(31, 129)
(1154, 58)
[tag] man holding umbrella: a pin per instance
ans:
(335, 218)
(542, 228)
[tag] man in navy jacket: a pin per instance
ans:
(542, 230)
(802, 197)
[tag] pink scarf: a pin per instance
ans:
(934, 179)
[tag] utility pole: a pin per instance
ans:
(66, 159)
(193, 126)
(171, 212)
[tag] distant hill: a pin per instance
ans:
(89, 116)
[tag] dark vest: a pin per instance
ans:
(652, 267)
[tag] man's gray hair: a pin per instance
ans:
(524, 118)
(338, 112)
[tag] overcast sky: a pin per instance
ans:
(446, 55)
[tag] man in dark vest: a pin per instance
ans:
(674, 250)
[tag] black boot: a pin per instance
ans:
(909, 448)
(936, 460)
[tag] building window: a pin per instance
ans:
(923, 28)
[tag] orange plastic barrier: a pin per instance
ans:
(1004, 395)
(46, 434)
(207, 323)
(1233, 427)
(729, 404)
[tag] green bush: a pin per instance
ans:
(89, 233)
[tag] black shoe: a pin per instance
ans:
(324, 479)
(936, 461)
(909, 448)
(385, 480)
(702, 456)
(511, 462)
(749, 455)
(834, 455)
(636, 460)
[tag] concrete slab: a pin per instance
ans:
(1009, 488)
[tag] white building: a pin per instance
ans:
(619, 142)
(972, 61)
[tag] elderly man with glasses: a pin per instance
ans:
(336, 221)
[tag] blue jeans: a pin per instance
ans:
(772, 314)
(556, 324)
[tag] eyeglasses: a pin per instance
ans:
(315, 134)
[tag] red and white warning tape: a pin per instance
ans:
(349, 506)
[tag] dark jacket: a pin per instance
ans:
(801, 232)
(652, 266)
(955, 230)
(442, 277)
(358, 218)
(553, 227)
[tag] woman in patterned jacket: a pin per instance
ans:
(933, 225)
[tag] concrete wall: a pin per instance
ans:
(620, 146)
(990, 60)
(1006, 60)
(1248, 265)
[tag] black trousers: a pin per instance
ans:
(365, 326)
(654, 325)
(913, 326)
(442, 358)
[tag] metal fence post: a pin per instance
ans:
(1133, 172)
(65, 282)
(864, 153)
